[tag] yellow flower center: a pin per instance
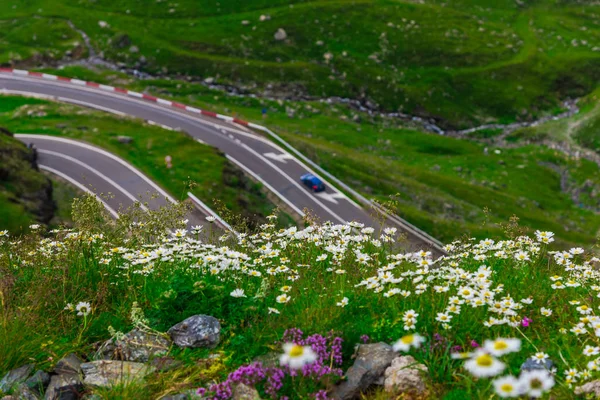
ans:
(408, 339)
(484, 360)
(507, 387)
(296, 351)
(500, 345)
(535, 383)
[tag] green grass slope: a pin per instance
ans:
(462, 62)
(25, 193)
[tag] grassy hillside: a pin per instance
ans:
(462, 62)
(338, 284)
(25, 193)
(445, 185)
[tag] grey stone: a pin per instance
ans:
(38, 381)
(104, 373)
(136, 345)
(66, 386)
(196, 331)
(405, 376)
(164, 364)
(134, 49)
(531, 364)
(592, 387)
(70, 364)
(24, 393)
(179, 396)
(280, 34)
(244, 392)
(124, 139)
(15, 377)
(369, 366)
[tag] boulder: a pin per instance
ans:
(196, 331)
(24, 393)
(370, 365)
(38, 381)
(104, 373)
(244, 392)
(592, 387)
(15, 377)
(531, 364)
(164, 364)
(64, 387)
(405, 376)
(137, 346)
(280, 34)
(70, 364)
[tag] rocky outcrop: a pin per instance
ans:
(405, 375)
(21, 181)
(371, 363)
(196, 331)
(105, 373)
(136, 345)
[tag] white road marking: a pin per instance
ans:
(261, 180)
(292, 181)
(279, 157)
(80, 186)
(330, 196)
(201, 121)
(104, 153)
(95, 171)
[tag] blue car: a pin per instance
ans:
(314, 183)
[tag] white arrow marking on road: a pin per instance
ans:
(331, 196)
(279, 157)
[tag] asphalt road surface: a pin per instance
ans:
(264, 160)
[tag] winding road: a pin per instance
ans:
(277, 169)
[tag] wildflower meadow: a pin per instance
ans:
(294, 304)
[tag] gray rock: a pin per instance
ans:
(70, 364)
(179, 396)
(38, 381)
(104, 373)
(530, 365)
(124, 139)
(164, 364)
(134, 49)
(280, 34)
(15, 377)
(24, 393)
(369, 367)
(66, 386)
(136, 346)
(405, 376)
(244, 392)
(592, 387)
(196, 331)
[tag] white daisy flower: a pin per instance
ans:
(238, 293)
(83, 308)
(508, 386)
(502, 346)
(296, 356)
(483, 365)
(534, 383)
(408, 341)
